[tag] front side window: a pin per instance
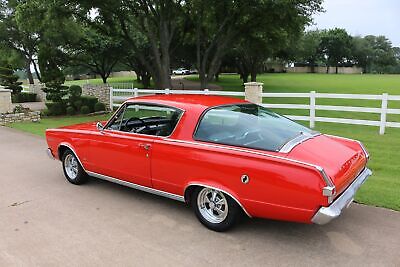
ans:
(146, 119)
(248, 125)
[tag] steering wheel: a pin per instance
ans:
(134, 119)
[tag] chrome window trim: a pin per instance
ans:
(136, 186)
(223, 191)
(139, 134)
(286, 148)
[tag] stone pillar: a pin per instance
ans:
(101, 92)
(253, 92)
(38, 90)
(5, 100)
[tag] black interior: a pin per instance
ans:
(159, 126)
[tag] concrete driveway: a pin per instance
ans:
(46, 221)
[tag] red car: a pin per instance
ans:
(223, 156)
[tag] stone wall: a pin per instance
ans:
(5, 100)
(102, 92)
(332, 70)
(33, 116)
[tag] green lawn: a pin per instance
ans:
(39, 128)
(115, 80)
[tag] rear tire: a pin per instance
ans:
(73, 171)
(215, 209)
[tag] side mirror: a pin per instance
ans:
(100, 126)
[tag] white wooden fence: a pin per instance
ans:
(117, 96)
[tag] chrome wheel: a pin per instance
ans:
(71, 166)
(213, 205)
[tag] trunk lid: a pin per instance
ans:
(341, 160)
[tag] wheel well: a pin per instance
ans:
(61, 150)
(189, 190)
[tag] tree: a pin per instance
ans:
(310, 48)
(217, 26)
(12, 36)
(362, 53)
(9, 80)
(336, 45)
(145, 24)
(98, 52)
(374, 53)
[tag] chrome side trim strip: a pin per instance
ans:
(138, 187)
(326, 214)
(215, 188)
(286, 148)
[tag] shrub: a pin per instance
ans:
(89, 101)
(85, 110)
(10, 80)
(23, 97)
(99, 107)
(77, 104)
(75, 91)
(56, 108)
(70, 111)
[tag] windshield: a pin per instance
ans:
(248, 125)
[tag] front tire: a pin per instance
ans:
(73, 170)
(215, 209)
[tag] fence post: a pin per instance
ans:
(253, 92)
(167, 91)
(384, 107)
(312, 109)
(206, 91)
(135, 92)
(111, 98)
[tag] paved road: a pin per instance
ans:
(46, 221)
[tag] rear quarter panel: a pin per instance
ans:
(278, 189)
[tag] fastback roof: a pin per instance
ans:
(186, 102)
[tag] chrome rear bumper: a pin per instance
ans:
(326, 214)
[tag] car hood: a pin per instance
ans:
(341, 161)
(87, 126)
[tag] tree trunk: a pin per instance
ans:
(245, 77)
(29, 72)
(146, 79)
(253, 76)
(327, 69)
(312, 66)
(217, 77)
(104, 78)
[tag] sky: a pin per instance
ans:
(362, 17)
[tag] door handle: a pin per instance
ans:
(145, 146)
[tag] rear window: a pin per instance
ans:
(247, 125)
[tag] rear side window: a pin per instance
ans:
(247, 125)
